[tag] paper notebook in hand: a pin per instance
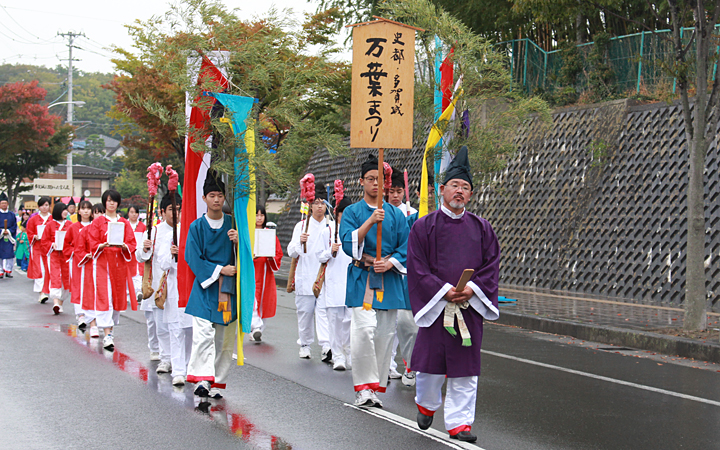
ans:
(59, 239)
(265, 243)
(40, 230)
(116, 233)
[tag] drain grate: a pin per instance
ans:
(616, 349)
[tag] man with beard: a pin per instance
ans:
(441, 246)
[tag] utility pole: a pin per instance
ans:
(71, 38)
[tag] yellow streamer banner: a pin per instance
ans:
(436, 133)
(252, 202)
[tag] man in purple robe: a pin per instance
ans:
(441, 246)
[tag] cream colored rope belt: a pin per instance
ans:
(453, 310)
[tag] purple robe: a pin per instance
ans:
(440, 248)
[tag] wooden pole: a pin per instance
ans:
(381, 182)
(174, 216)
(307, 225)
(149, 217)
(337, 226)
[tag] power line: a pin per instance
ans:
(92, 51)
(4, 8)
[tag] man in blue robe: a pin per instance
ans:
(441, 246)
(209, 253)
(7, 241)
(373, 319)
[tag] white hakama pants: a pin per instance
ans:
(181, 339)
(163, 334)
(103, 319)
(38, 283)
(59, 294)
(406, 334)
(78, 309)
(322, 327)
(137, 284)
(339, 319)
(212, 349)
(371, 337)
(153, 344)
(460, 399)
(257, 322)
(8, 265)
(305, 305)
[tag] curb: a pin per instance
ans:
(668, 345)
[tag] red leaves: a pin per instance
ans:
(25, 122)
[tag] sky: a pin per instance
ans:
(29, 31)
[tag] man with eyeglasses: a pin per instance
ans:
(441, 246)
(306, 274)
(373, 321)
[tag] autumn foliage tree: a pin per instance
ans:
(31, 139)
(303, 99)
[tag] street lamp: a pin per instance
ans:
(78, 103)
(68, 164)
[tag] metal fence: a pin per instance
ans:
(636, 60)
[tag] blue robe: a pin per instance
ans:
(394, 244)
(7, 248)
(440, 248)
(206, 249)
(412, 218)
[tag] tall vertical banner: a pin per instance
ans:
(204, 70)
(383, 85)
(243, 200)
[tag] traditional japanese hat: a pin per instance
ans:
(71, 202)
(459, 168)
(3, 197)
(370, 164)
(320, 191)
(167, 200)
(344, 203)
(398, 178)
(213, 183)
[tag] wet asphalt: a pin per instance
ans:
(61, 390)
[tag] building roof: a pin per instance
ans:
(79, 169)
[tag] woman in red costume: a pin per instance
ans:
(39, 268)
(265, 288)
(114, 267)
(77, 251)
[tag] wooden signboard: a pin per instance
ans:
(383, 85)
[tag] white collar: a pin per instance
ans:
(371, 206)
(4, 211)
(451, 214)
(117, 218)
(214, 223)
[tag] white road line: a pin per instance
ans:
(431, 433)
(600, 377)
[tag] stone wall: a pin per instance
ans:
(593, 205)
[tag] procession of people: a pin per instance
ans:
(425, 295)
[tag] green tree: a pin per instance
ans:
(486, 84)
(300, 97)
(129, 184)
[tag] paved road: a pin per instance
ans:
(538, 391)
